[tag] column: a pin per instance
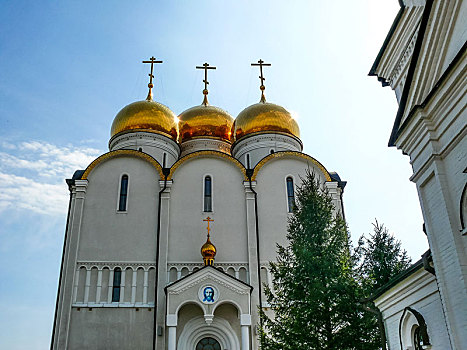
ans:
(75, 289)
(111, 286)
(122, 285)
(99, 286)
(171, 322)
(133, 287)
(245, 323)
(86, 286)
(145, 287)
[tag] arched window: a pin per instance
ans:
(164, 159)
(271, 151)
(418, 339)
(208, 194)
(116, 285)
(208, 343)
(122, 203)
(290, 195)
(248, 161)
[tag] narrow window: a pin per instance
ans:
(248, 161)
(164, 158)
(123, 193)
(140, 149)
(207, 193)
(116, 285)
(290, 195)
(271, 151)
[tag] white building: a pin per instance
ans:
(132, 275)
(423, 59)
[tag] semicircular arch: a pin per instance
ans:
(290, 154)
(123, 153)
(228, 302)
(189, 302)
(196, 329)
(213, 154)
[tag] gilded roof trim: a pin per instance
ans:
(289, 154)
(207, 153)
(123, 153)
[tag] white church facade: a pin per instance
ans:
(423, 59)
(138, 271)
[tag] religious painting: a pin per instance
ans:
(208, 294)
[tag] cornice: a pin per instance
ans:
(292, 154)
(215, 154)
(123, 153)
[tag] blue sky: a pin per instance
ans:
(68, 67)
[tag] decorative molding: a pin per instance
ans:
(211, 277)
(400, 66)
(100, 265)
(289, 154)
(123, 153)
(112, 305)
(191, 265)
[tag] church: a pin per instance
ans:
(424, 60)
(169, 234)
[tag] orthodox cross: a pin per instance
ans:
(152, 60)
(262, 87)
(209, 220)
(205, 66)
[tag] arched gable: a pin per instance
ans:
(409, 321)
(214, 154)
(123, 153)
(290, 154)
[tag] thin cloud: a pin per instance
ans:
(32, 175)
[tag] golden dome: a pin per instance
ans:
(148, 116)
(264, 117)
(205, 121)
(208, 250)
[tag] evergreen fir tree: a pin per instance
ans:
(378, 258)
(381, 258)
(315, 296)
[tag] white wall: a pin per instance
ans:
(188, 231)
(109, 235)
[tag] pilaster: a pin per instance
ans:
(78, 195)
(253, 258)
(162, 262)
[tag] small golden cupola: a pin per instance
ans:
(208, 250)
(147, 115)
(205, 126)
(264, 128)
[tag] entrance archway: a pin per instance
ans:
(196, 330)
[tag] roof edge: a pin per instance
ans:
(411, 72)
(396, 279)
(386, 43)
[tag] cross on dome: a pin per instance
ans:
(209, 220)
(205, 66)
(261, 77)
(208, 250)
(152, 60)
